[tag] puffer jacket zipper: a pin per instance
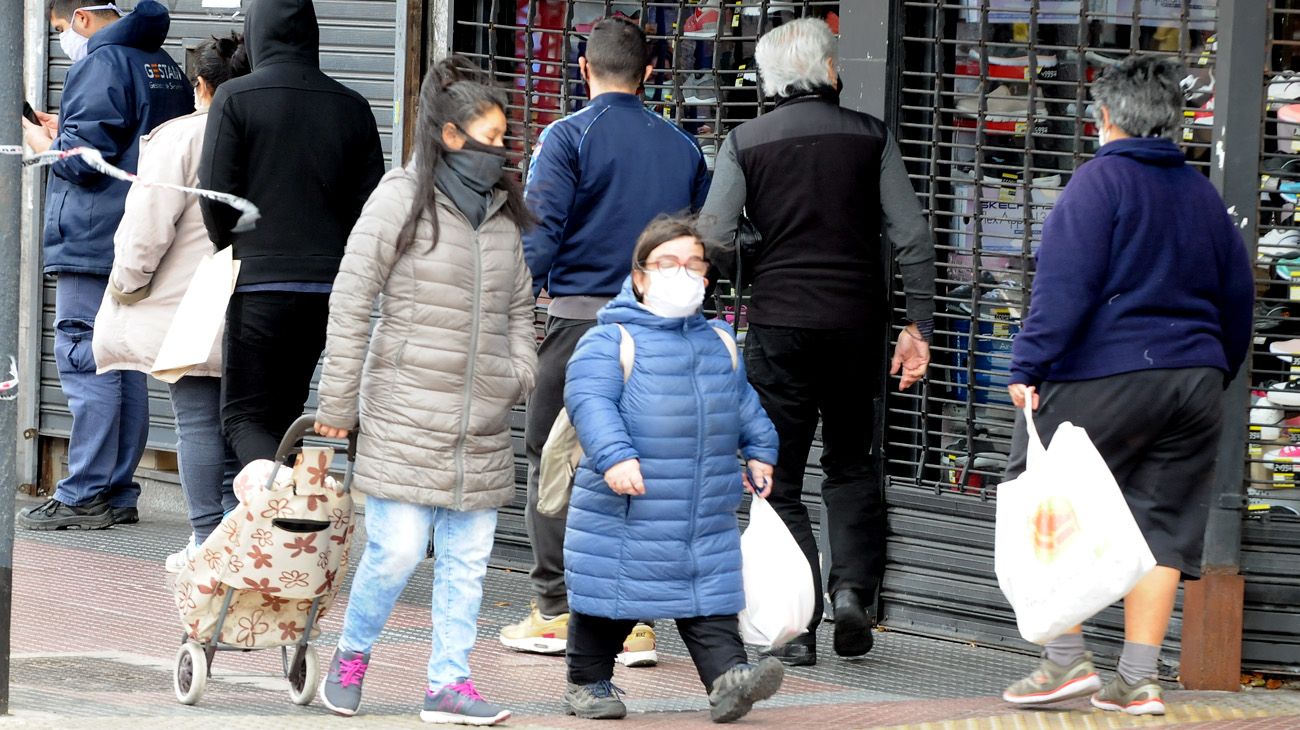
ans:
(475, 325)
(699, 458)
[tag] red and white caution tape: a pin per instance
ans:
(249, 213)
(9, 388)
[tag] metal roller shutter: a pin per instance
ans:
(994, 117)
(358, 38)
(705, 81)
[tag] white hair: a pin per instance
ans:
(792, 57)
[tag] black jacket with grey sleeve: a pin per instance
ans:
(821, 184)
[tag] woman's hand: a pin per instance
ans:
(1019, 392)
(758, 480)
(330, 432)
(625, 478)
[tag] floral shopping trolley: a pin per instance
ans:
(265, 577)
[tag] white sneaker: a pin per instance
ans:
(1278, 243)
(180, 560)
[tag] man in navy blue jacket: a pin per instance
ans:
(121, 85)
(597, 178)
(1141, 311)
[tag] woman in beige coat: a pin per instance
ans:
(158, 246)
(432, 386)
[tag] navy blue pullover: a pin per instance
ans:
(597, 178)
(1140, 269)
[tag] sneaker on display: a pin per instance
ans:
(1105, 57)
(1014, 57)
(700, 89)
(1143, 698)
(461, 704)
(1285, 394)
(1000, 106)
(754, 8)
(1284, 89)
(341, 690)
(1267, 417)
(639, 648)
(1279, 243)
(1051, 682)
(180, 560)
(536, 634)
(704, 22)
(1286, 350)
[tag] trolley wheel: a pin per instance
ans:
(191, 675)
(304, 677)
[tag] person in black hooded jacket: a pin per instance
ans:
(306, 151)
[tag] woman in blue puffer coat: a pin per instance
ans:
(652, 528)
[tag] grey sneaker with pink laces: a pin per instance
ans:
(460, 704)
(341, 691)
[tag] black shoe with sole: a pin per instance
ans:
(734, 693)
(800, 652)
(125, 515)
(852, 627)
(55, 515)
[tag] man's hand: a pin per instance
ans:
(758, 480)
(1019, 392)
(911, 356)
(49, 121)
(39, 136)
(330, 432)
(625, 478)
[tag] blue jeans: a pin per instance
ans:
(208, 464)
(110, 412)
(397, 536)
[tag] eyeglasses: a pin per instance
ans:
(695, 267)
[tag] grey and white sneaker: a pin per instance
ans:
(461, 704)
(595, 701)
(1052, 682)
(180, 560)
(1143, 698)
(341, 690)
(735, 692)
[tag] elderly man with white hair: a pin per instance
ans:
(821, 184)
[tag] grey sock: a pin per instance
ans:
(1138, 662)
(1065, 649)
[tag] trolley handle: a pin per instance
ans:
(306, 426)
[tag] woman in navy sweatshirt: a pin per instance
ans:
(1140, 313)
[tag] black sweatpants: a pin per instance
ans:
(546, 534)
(594, 643)
(803, 373)
(1158, 431)
(272, 344)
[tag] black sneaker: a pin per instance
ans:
(852, 627)
(125, 515)
(596, 701)
(799, 652)
(735, 692)
(55, 515)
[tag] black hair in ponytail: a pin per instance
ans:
(456, 91)
(220, 59)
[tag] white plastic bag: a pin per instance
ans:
(1067, 545)
(779, 588)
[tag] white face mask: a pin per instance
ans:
(674, 295)
(73, 44)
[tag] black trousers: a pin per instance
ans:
(272, 344)
(594, 643)
(1158, 431)
(803, 373)
(546, 534)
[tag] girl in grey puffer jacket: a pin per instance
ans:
(432, 387)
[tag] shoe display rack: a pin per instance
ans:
(996, 117)
(1273, 451)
